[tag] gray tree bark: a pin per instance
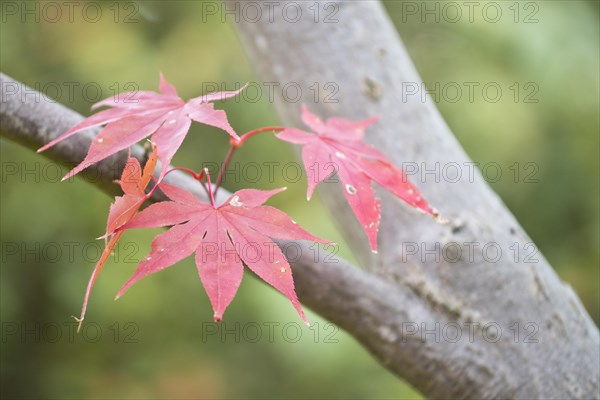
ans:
(404, 307)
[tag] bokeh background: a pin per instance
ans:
(158, 341)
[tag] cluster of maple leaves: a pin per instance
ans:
(239, 231)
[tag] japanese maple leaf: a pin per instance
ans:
(136, 115)
(221, 237)
(337, 145)
(133, 183)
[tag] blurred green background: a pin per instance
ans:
(156, 342)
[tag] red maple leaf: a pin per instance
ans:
(221, 237)
(136, 115)
(133, 183)
(337, 146)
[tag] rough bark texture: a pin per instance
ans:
(389, 305)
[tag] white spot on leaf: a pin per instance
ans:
(350, 189)
(235, 201)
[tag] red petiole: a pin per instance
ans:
(210, 192)
(197, 176)
(234, 145)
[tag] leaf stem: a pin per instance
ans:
(197, 176)
(210, 192)
(234, 145)
(254, 132)
(226, 162)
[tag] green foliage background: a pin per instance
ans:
(172, 358)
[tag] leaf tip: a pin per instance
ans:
(438, 218)
(79, 322)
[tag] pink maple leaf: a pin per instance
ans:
(221, 237)
(338, 146)
(133, 183)
(136, 115)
